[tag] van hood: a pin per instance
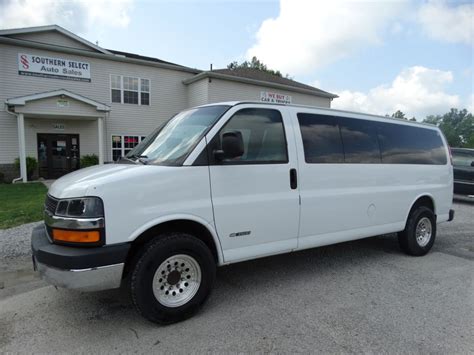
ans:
(85, 181)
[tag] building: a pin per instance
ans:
(63, 97)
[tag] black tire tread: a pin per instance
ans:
(151, 247)
(406, 238)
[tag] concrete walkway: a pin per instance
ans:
(48, 183)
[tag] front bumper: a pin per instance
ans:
(86, 269)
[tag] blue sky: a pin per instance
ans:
(416, 56)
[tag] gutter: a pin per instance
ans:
(16, 116)
(74, 51)
(208, 74)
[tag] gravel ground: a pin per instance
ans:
(15, 242)
(362, 296)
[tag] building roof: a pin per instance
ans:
(142, 57)
(246, 75)
(22, 100)
(258, 77)
(264, 76)
(14, 31)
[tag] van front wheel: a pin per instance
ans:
(172, 278)
(420, 231)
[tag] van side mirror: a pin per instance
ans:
(232, 146)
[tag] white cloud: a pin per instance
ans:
(416, 91)
(470, 104)
(309, 34)
(75, 15)
(453, 24)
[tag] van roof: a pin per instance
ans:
(389, 119)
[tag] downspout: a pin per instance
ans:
(16, 116)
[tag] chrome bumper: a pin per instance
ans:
(92, 279)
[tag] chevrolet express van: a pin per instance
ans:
(227, 182)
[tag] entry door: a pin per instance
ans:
(256, 208)
(58, 154)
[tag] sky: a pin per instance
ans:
(378, 56)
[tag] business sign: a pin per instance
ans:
(274, 97)
(56, 68)
(62, 103)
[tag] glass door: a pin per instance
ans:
(58, 154)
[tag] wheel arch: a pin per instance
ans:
(422, 200)
(177, 223)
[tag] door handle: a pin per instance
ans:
(293, 179)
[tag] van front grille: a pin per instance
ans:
(50, 204)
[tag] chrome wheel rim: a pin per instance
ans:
(177, 280)
(423, 231)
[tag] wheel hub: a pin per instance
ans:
(174, 277)
(423, 231)
(177, 280)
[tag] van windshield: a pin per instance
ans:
(171, 143)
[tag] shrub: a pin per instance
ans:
(89, 160)
(31, 166)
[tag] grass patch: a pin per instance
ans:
(21, 203)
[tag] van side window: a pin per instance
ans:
(359, 138)
(321, 138)
(263, 135)
(403, 144)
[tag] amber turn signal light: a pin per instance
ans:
(69, 236)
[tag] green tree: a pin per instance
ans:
(399, 114)
(256, 64)
(457, 126)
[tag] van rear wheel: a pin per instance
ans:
(420, 231)
(172, 278)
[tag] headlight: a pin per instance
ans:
(87, 207)
(75, 221)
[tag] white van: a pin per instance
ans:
(228, 182)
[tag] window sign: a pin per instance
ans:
(56, 68)
(274, 97)
(121, 145)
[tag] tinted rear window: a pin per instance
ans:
(333, 139)
(321, 138)
(359, 138)
(403, 144)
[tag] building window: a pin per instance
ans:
(122, 145)
(130, 90)
(116, 87)
(145, 91)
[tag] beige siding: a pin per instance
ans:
(168, 95)
(198, 93)
(220, 90)
(52, 37)
(49, 106)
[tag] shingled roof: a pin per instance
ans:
(258, 77)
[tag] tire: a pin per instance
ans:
(421, 243)
(172, 278)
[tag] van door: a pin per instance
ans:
(255, 195)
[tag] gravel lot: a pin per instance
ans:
(362, 296)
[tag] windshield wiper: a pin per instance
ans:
(140, 158)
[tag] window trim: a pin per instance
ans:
(122, 90)
(210, 145)
(122, 149)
